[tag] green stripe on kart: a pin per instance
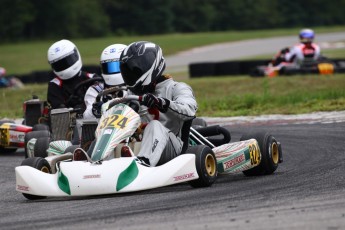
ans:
(63, 183)
(127, 176)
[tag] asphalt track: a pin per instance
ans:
(242, 49)
(306, 192)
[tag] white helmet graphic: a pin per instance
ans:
(64, 58)
(110, 64)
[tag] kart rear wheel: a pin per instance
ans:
(38, 163)
(70, 149)
(34, 134)
(206, 166)
(199, 123)
(270, 154)
(39, 127)
(7, 150)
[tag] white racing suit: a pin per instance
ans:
(303, 54)
(90, 98)
(162, 137)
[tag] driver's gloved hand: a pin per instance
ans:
(151, 101)
(285, 50)
(97, 109)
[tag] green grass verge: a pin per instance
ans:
(27, 57)
(233, 96)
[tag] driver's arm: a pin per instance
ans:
(55, 96)
(89, 99)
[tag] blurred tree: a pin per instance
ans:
(193, 15)
(139, 16)
(52, 19)
(14, 16)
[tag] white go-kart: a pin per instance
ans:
(110, 165)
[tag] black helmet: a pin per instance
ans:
(141, 63)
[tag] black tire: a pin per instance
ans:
(41, 146)
(206, 166)
(199, 123)
(39, 164)
(71, 148)
(7, 150)
(270, 154)
(34, 134)
(39, 127)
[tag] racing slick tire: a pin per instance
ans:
(41, 146)
(34, 134)
(70, 149)
(199, 123)
(270, 153)
(39, 127)
(38, 163)
(7, 150)
(206, 166)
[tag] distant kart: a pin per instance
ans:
(110, 164)
(323, 66)
(53, 124)
(12, 136)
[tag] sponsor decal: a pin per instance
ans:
(230, 163)
(184, 177)
(92, 176)
(108, 131)
(23, 188)
(154, 145)
(16, 136)
(113, 50)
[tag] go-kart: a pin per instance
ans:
(110, 165)
(53, 124)
(12, 136)
(322, 66)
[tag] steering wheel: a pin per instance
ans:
(82, 87)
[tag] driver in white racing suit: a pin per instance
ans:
(171, 103)
(110, 67)
(306, 52)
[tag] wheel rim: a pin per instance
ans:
(45, 169)
(210, 165)
(275, 153)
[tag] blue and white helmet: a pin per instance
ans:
(306, 35)
(64, 58)
(110, 64)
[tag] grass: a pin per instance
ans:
(27, 57)
(242, 96)
(216, 96)
(234, 96)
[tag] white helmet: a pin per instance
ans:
(64, 58)
(110, 64)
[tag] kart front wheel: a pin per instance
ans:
(271, 154)
(38, 163)
(34, 134)
(206, 166)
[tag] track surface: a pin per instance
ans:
(241, 49)
(306, 192)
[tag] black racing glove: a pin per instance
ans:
(151, 101)
(285, 50)
(97, 109)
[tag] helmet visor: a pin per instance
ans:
(66, 61)
(110, 67)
